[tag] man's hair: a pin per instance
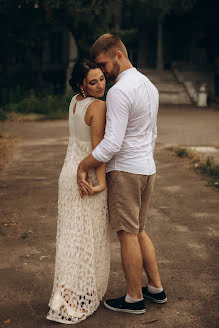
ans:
(108, 44)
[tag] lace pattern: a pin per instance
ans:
(82, 244)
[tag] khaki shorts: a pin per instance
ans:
(128, 199)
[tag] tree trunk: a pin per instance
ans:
(159, 65)
(73, 53)
(117, 15)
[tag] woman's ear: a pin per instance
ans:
(82, 91)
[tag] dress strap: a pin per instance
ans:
(90, 100)
(82, 108)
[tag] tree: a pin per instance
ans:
(23, 33)
(27, 24)
(160, 9)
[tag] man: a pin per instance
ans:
(127, 147)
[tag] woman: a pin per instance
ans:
(83, 236)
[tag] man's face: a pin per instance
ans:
(109, 66)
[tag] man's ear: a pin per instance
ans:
(119, 54)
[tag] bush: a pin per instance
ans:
(3, 115)
(182, 152)
(206, 166)
(210, 168)
(53, 106)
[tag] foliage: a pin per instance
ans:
(78, 16)
(3, 115)
(25, 235)
(52, 106)
(182, 152)
(206, 166)
(210, 168)
(162, 8)
(28, 25)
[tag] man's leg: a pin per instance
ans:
(132, 263)
(124, 199)
(149, 259)
(154, 290)
(133, 302)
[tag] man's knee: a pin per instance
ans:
(142, 236)
(126, 235)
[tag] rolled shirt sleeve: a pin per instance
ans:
(118, 107)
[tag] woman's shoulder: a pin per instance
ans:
(97, 104)
(74, 97)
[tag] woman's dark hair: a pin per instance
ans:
(80, 71)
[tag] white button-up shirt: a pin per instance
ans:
(131, 129)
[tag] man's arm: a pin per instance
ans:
(118, 107)
(154, 117)
(154, 135)
(88, 163)
(117, 120)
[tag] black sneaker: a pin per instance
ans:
(158, 298)
(120, 305)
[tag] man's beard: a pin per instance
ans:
(114, 73)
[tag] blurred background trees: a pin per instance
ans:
(42, 39)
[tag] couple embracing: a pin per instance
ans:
(111, 141)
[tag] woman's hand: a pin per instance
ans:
(93, 190)
(90, 190)
(83, 185)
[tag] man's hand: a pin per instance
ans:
(83, 185)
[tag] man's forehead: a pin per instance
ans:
(101, 58)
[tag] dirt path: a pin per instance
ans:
(182, 223)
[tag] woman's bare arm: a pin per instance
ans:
(98, 122)
(96, 118)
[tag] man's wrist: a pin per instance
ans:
(88, 163)
(81, 166)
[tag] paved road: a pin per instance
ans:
(182, 223)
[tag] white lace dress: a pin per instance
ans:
(83, 235)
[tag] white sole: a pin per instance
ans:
(124, 310)
(156, 301)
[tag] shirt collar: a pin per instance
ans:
(127, 71)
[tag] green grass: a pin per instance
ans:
(25, 235)
(13, 116)
(206, 166)
(48, 107)
(182, 152)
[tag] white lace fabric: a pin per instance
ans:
(83, 235)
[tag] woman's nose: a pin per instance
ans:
(100, 84)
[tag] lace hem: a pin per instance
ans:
(67, 307)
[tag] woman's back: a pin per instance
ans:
(78, 129)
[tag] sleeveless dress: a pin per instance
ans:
(83, 235)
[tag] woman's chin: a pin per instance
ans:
(100, 94)
(97, 94)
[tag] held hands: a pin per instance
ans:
(85, 187)
(90, 190)
(93, 190)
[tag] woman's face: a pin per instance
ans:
(94, 84)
